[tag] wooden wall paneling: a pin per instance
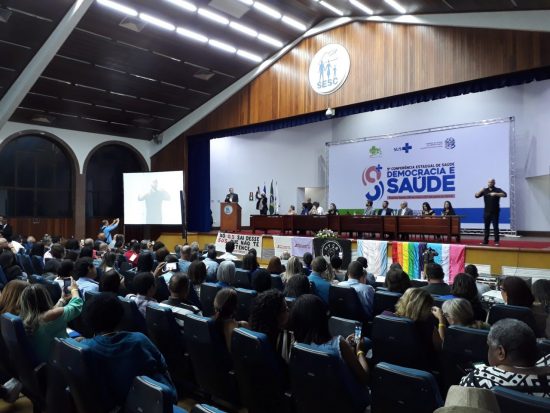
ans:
(386, 60)
(37, 228)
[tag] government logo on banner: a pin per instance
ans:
(329, 69)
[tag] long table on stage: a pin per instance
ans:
(392, 225)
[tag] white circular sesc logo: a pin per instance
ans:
(329, 69)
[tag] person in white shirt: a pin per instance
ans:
(316, 209)
(228, 255)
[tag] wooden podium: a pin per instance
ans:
(230, 216)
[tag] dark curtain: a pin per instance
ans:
(198, 206)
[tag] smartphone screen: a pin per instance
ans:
(170, 266)
(66, 286)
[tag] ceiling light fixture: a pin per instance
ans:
(157, 22)
(249, 56)
(191, 35)
(118, 7)
(247, 2)
(331, 8)
(294, 23)
(362, 7)
(396, 6)
(270, 40)
(267, 10)
(213, 16)
(243, 29)
(222, 46)
(184, 5)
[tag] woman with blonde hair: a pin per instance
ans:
(457, 311)
(9, 300)
(293, 267)
(416, 304)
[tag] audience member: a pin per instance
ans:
(261, 280)
(309, 322)
(10, 298)
(132, 254)
(541, 306)
(43, 321)
(370, 279)
(162, 253)
(120, 356)
(307, 259)
(250, 262)
(457, 311)
(482, 288)
(145, 287)
(293, 267)
(469, 400)
(51, 269)
(179, 287)
(336, 264)
(197, 275)
(515, 291)
(37, 250)
(85, 275)
(397, 281)
(9, 265)
(225, 305)
(211, 263)
(318, 278)
(185, 260)
(416, 304)
(226, 274)
(513, 361)
(464, 286)
(107, 262)
(229, 248)
(145, 262)
(436, 285)
(297, 285)
(365, 293)
(172, 261)
(269, 315)
(275, 266)
(110, 282)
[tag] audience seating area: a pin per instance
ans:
(404, 376)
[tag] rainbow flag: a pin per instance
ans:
(409, 255)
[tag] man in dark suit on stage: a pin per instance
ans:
(404, 210)
(385, 210)
(231, 196)
(6, 230)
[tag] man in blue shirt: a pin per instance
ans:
(356, 280)
(107, 228)
(185, 260)
(317, 277)
(85, 275)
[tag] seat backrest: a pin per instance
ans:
(238, 263)
(385, 301)
(344, 302)
(148, 395)
(259, 371)
(26, 262)
(21, 353)
(338, 326)
(418, 283)
(242, 278)
(397, 340)
(210, 357)
(277, 282)
(132, 319)
(38, 264)
(205, 408)
(311, 370)
(500, 311)
(90, 295)
(244, 301)
(74, 361)
(400, 389)
(208, 293)
(512, 401)
(290, 301)
(544, 347)
(439, 300)
(167, 335)
(3, 278)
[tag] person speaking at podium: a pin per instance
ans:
(231, 196)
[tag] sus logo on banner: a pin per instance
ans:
(282, 245)
(301, 245)
(242, 242)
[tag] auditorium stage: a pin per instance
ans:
(524, 255)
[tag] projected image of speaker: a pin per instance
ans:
(153, 198)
